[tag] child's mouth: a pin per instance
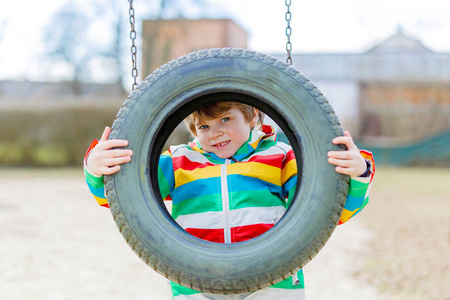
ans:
(222, 144)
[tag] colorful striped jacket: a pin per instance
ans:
(236, 199)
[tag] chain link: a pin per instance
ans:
(288, 32)
(134, 70)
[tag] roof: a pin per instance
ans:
(400, 43)
(399, 58)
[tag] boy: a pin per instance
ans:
(220, 187)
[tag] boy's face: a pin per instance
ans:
(226, 134)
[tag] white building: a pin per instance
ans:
(396, 92)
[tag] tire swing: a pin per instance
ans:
(160, 103)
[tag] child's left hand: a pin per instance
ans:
(349, 162)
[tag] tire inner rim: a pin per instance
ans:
(172, 121)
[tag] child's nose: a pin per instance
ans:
(215, 133)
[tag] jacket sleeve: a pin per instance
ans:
(358, 190)
(96, 187)
(289, 176)
(165, 177)
(95, 183)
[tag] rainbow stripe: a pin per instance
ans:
(236, 199)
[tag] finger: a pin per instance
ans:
(345, 140)
(350, 142)
(105, 134)
(117, 160)
(339, 154)
(109, 144)
(345, 171)
(346, 136)
(348, 167)
(340, 162)
(342, 139)
(116, 153)
(111, 170)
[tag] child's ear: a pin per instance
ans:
(255, 118)
(193, 133)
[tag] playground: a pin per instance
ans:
(57, 243)
(392, 94)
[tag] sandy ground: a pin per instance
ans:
(409, 216)
(57, 243)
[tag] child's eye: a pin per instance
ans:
(203, 127)
(223, 120)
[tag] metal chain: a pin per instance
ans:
(288, 33)
(134, 70)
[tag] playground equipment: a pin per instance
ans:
(168, 95)
(434, 150)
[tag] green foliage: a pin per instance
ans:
(55, 136)
(58, 135)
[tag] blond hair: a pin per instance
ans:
(218, 109)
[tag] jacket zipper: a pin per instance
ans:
(226, 204)
(225, 201)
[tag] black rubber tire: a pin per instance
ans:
(160, 102)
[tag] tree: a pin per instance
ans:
(65, 37)
(182, 8)
(86, 38)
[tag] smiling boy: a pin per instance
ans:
(233, 183)
(223, 136)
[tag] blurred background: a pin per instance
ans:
(66, 68)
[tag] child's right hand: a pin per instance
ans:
(103, 160)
